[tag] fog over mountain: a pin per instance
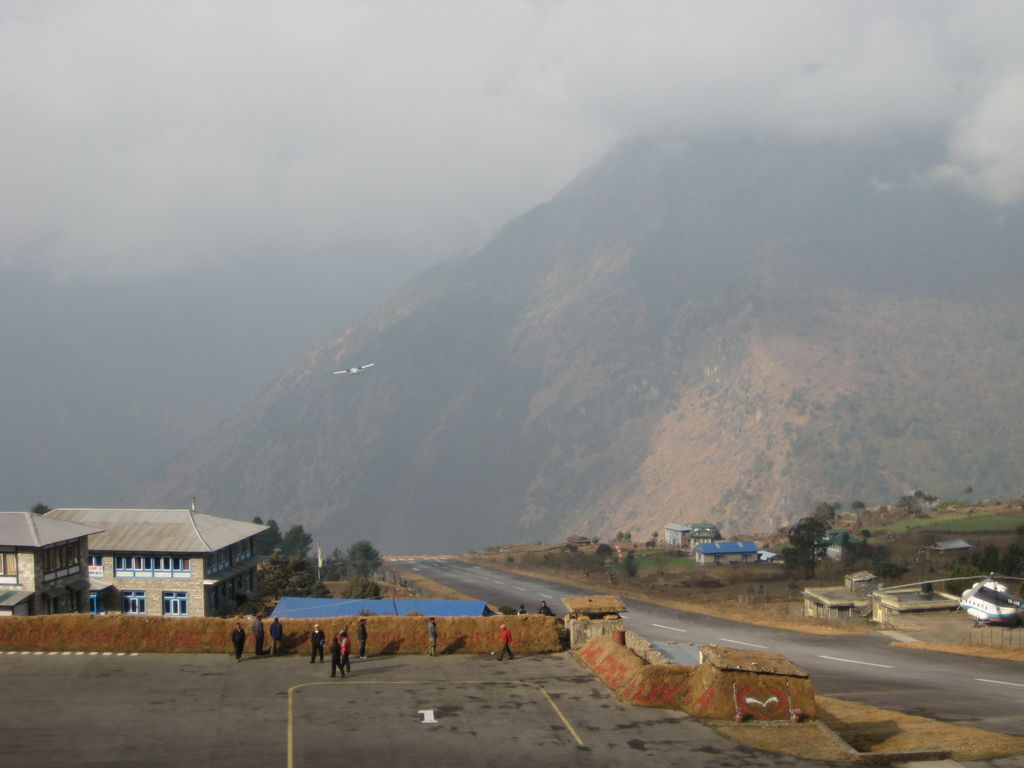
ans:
(723, 329)
(197, 193)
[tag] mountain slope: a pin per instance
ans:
(719, 330)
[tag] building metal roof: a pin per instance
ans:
(951, 545)
(329, 608)
(680, 527)
(728, 548)
(13, 597)
(158, 530)
(24, 529)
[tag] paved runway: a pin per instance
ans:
(465, 711)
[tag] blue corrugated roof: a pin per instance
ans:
(328, 607)
(727, 548)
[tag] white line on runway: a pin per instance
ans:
(546, 597)
(999, 682)
(502, 583)
(674, 629)
(740, 642)
(851, 661)
(521, 589)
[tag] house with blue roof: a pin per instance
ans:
(720, 552)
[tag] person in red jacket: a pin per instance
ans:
(346, 649)
(506, 644)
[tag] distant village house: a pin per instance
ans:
(726, 552)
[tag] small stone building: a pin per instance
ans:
(592, 616)
(835, 604)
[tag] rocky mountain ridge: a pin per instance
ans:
(723, 330)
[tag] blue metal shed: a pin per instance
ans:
(328, 607)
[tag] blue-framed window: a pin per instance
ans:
(133, 601)
(152, 566)
(95, 602)
(175, 604)
(219, 560)
(243, 550)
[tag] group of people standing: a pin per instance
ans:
(276, 633)
(341, 645)
(340, 648)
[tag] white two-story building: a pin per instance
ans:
(42, 564)
(166, 562)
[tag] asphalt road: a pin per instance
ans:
(464, 711)
(966, 690)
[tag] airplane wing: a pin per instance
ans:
(368, 365)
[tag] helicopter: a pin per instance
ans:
(990, 603)
(987, 602)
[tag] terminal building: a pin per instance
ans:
(166, 562)
(42, 564)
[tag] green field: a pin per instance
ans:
(648, 561)
(954, 524)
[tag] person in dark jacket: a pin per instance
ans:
(336, 662)
(544, 610)
(238, 640)
(257, 633)
(362, 634)
(432, 637)
(317, 640)
(276, 633)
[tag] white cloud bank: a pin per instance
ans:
(141, 136)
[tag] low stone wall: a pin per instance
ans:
(754, 686)
(387, 634)
(582, 631)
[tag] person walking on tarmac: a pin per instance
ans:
(362, 634)
(506, 644)
(346, 649)
(238, 640)
(336, 663)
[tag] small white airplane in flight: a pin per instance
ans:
(355, 369)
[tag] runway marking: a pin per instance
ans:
(428, 716)
(546, 597)
(294, 688)
(740, 642)
(521, 589)
(674, 629)
(999, 682)
(852, 661)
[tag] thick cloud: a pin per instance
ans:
(141, 135)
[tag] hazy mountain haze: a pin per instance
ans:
(196, 194)
(720, 329)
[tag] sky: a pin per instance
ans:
(140, 137)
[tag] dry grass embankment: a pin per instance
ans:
(989, 652)
(873, 731)
(156, 634)
(870, 729)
